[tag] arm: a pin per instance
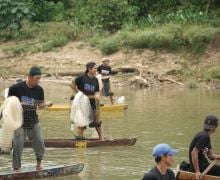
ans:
(195, 161)
(213, 156)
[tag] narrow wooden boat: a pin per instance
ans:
(184, 175)
(104, 108)
(51, 171)
(72, 143)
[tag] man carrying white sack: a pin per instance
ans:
(31, 96)
(88, 85)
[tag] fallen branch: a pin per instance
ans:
(171, 80)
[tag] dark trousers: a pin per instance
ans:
(215, 171)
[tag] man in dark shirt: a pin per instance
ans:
(88, 84)
(201, 148)
(31, 96)
(163, 154)
(105, 70)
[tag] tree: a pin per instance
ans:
(12, 14)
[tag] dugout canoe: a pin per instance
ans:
(184, 175)
(104, 108)
(72, 143)
(51, 171)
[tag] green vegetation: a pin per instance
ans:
(215, 73)
(110, 25)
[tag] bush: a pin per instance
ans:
(57, 41)
(109, 46)
(12, 15)
(197, 37)
(215, 73)
(108, 15)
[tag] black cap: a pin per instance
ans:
(90, 65)
(34, 71)
(211, 121)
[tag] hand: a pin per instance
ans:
(49, 103)
(217, 157)
(96, 96)
(198, 175)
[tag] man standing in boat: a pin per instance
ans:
(31, 96)
(105, 71)
(200, 149)
(163, 155)
(89, 86)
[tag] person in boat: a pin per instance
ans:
(31, 96)
(163, 155)
(200, 149)
(89, 86)
(105, 71)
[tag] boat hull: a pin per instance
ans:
(183, 175)
(72, 143)
(105, 108)
(51, 171)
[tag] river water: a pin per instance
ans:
(154, 116)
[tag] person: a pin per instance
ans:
(200, 148)
(4, 93)
(105, 70)
(31, 96)
(163, 155)
(88, 84)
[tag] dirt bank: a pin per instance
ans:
(143, 68)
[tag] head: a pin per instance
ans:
(34, 76)
(211, 123)
(106, 62)
(91, 68)
(163, 153)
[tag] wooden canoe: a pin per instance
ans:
(183, 175)
(104, 108)
(72, 143)
(52, 171)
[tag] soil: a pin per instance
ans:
(142, 67)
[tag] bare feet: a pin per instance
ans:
(38, 167)
(15, 170)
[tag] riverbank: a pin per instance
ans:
(139, 68)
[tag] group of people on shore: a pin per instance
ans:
(31, 96)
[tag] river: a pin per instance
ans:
(171, 115)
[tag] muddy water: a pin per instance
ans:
(154, 116)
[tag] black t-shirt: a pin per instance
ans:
(104, 71)
(202, 142)
(89, 86)
(30, 99)
(154, 174)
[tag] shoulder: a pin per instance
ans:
(79, 78)
(151, 175)
(203, 135)
(171, 173)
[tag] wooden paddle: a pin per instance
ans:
(209, 167)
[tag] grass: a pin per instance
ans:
(215, 73)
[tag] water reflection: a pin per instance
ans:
(154, 116)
